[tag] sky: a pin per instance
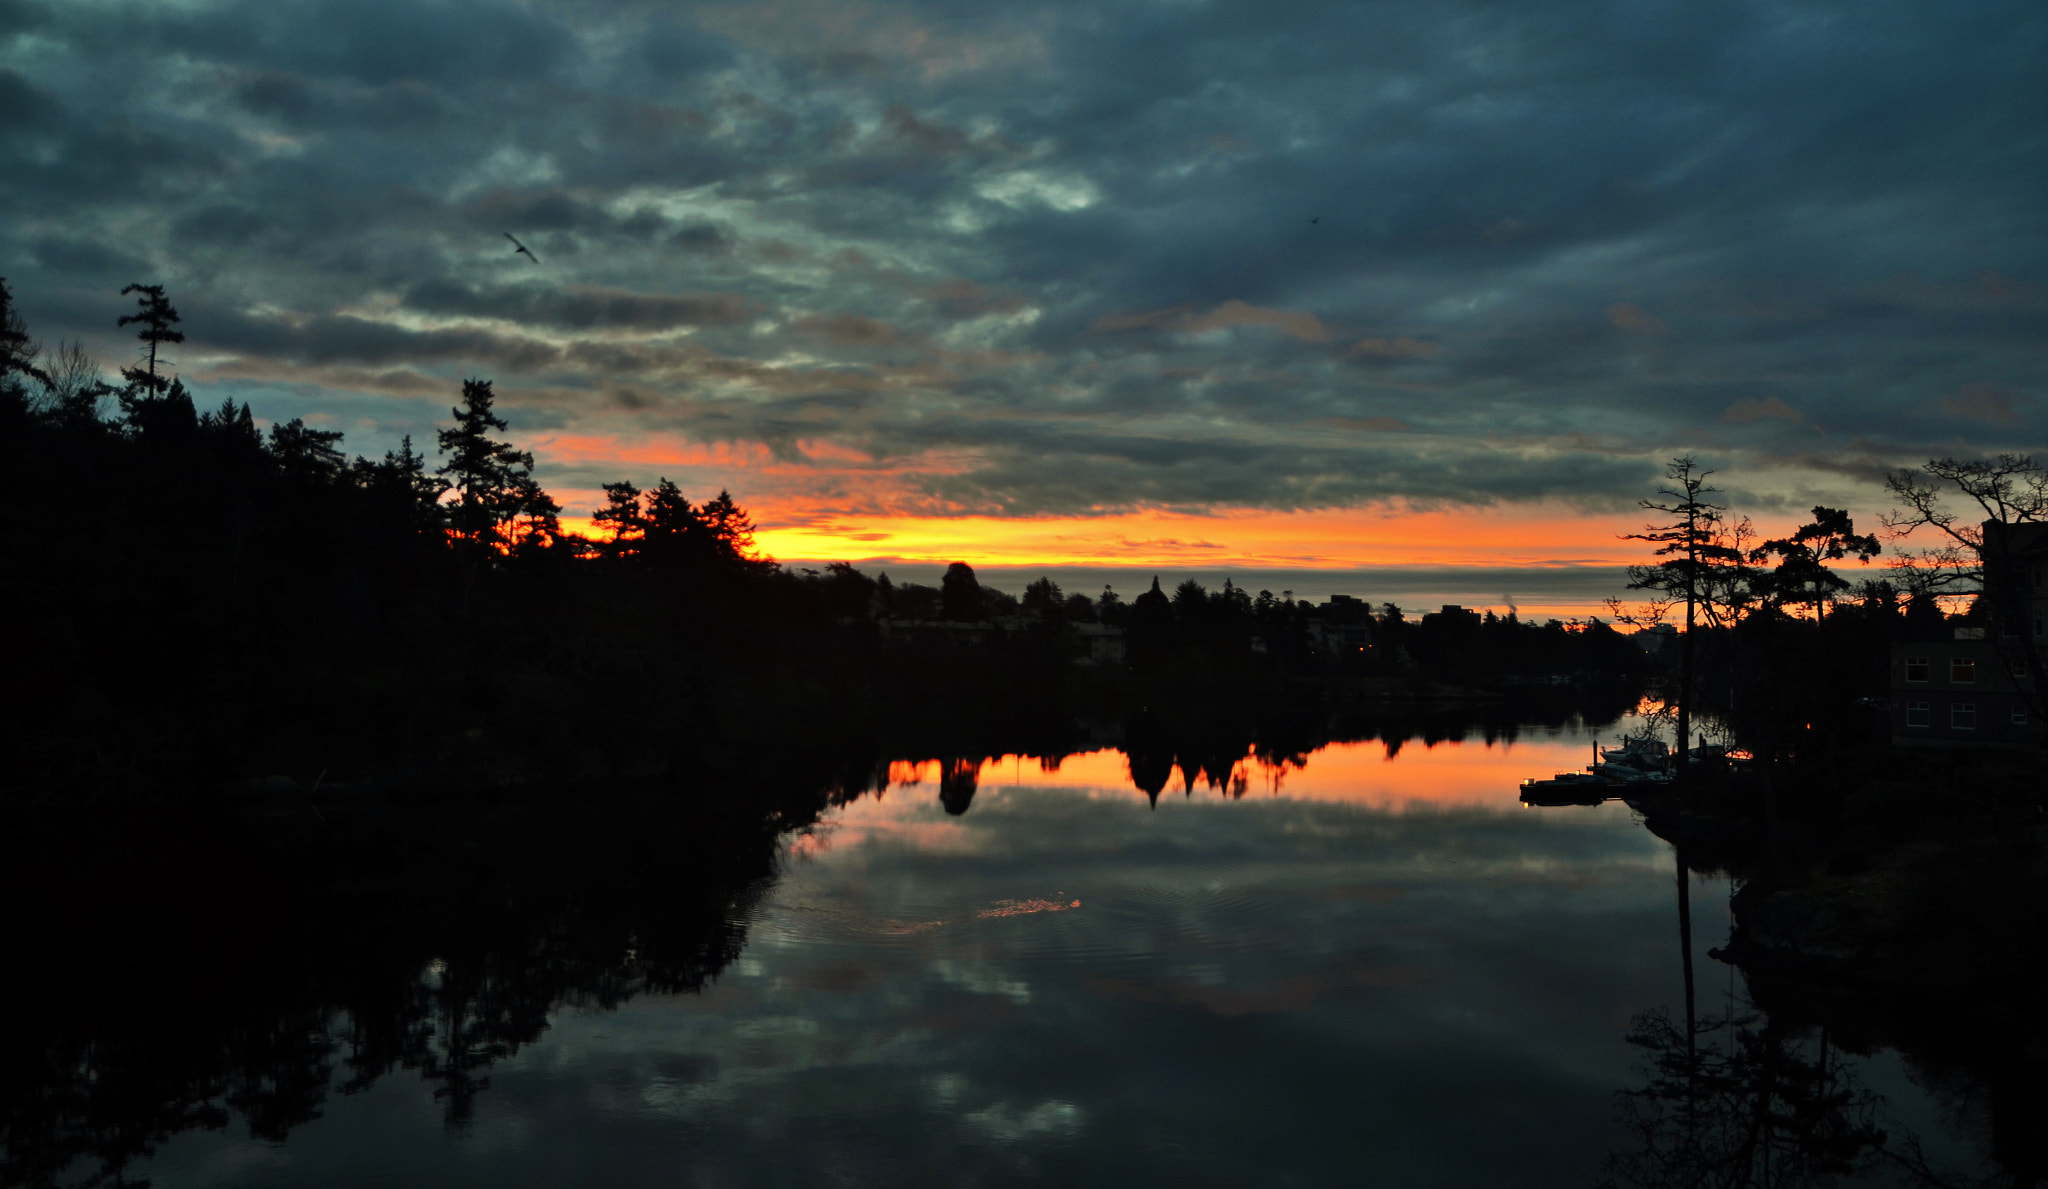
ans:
(1343, 288)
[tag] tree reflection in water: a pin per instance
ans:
(1734, 1103)
(191, 970)
(1766, 1099)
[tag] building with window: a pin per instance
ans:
(1977, 684)
(1961, 690)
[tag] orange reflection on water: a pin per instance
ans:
(1468, 773)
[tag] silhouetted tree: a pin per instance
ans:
(672, 530)
(732, 530)
(960, 594)
(1690, 542)
(304, 454)
(1042, 599)
(621, 517)
(401, 485)
(489, 477)
(18, 351)
(1975, 556)
(75, 388)
(157, 317)
(1802, 575)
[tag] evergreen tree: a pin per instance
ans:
(732, 530)
(18, 351)
(671, 529)
(536, 523)
(233, 425)
(156, 316)
(621, 517)
(1802, 575)
(488, 476)
(1043, 600)
(305, 454)
(402, 486)
(1692, 542)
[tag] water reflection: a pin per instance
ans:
(1304, 968)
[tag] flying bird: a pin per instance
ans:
(1316, 220)
(519, 249)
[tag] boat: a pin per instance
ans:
(1568, 788)
(1645, 754)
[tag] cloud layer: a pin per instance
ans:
(1070, 259)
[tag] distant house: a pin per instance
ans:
(1105, 643)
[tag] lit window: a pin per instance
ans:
(2019, 716)
(1962, 670)
(1916, 668)
(1962, 716)
(1918, 715)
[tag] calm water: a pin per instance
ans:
(1372, 969)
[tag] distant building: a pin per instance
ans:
(1341, 627)
(1959, 691)
(1453, 616)
(1105, 643)
(1976, 684)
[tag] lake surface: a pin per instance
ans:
(1371, 969)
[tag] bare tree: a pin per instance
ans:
(1965, 555)
(75, 386)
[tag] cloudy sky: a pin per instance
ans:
(1171, 282)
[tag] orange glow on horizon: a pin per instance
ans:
(1517, 536)
(1337, 539)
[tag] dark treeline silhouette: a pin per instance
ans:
(203, 603)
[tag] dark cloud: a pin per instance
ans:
(576, 307)
(1195, 255)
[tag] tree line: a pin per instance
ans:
(204, 601)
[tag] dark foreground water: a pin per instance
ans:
(1380, 970)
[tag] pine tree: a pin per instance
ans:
(672, 529)
(401, 484)
(18, 351)
(621, 517)
(306, 454)
(536, 524)
(732, 530)
(156, 316)
(1693, 544)
(489, 477)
